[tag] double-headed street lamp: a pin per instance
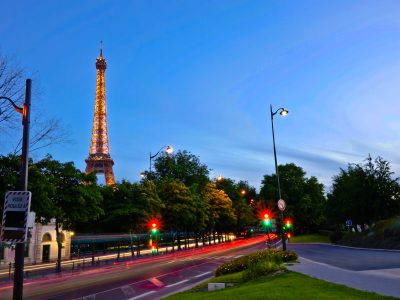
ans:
(19, 249)
(282, 112)
(168, 150)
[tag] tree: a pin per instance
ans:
(44, 131)
(134, 203)
(364, 193)
(71, 197)
(305, 200)
(182, 166)
(180, 211)
(221, 215)
(242, 209)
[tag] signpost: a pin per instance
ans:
(15, 216)
(281, 204)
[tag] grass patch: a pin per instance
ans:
(310, 238)
(289, 285)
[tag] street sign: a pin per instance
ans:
(349, 223)
(281, 204)
(15, 216)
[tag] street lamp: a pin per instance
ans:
(168, 150)
(19, 249)
(282, 112)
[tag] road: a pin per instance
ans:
(365, 269)
(348, 258)
(147, 278)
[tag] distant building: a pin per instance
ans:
(41, 245)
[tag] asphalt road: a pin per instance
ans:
(148, 278)
(348, 258)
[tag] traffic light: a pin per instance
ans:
(288, 227)
(267, 220)
(154, 228)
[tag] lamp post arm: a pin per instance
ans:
(16, 108)
(153, 156)
(278, 110)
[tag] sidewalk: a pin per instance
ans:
(383, 281)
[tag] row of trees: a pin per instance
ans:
(180, 194)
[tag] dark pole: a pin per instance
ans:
(277, 179)
(150, 163)
(20, 247)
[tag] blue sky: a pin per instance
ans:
(200, 76)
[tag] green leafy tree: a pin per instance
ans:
(304, 197)
(222, 216)
(182, 166)
(71, 197)
(364, 193)
(129, 206)
(242, 209)
(180, 210)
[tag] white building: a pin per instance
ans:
(41, 245)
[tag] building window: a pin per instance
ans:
(46, 237)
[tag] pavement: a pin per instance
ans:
(382, 281)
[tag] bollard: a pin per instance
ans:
(73, 265)
(9, 270)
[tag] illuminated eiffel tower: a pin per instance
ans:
(99, 159)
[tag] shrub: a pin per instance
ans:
(336, 236)
(261, 268)
(242, 263)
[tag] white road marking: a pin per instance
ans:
(142, 295)
(200, 275)
(128, 291)
(176, 283)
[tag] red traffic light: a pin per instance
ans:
(266, 216)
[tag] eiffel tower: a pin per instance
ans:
(99, 159)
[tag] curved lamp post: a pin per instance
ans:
(19, 249)
(168, 150)
(282, 112)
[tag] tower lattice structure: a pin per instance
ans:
(99, 159)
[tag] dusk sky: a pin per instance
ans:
(200, 76)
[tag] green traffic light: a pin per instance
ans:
(267, 222)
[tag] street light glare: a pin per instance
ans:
(284, 112)
(169, 150)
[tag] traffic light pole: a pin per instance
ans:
(20, 247)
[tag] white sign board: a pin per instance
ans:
(15, 215)
(281, 204)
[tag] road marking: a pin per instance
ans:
(200, 275)
(176, 283)
(128, 291)
(142, 295)
(156, 282)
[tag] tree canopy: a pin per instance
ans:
(364, 193)
(304, 197)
